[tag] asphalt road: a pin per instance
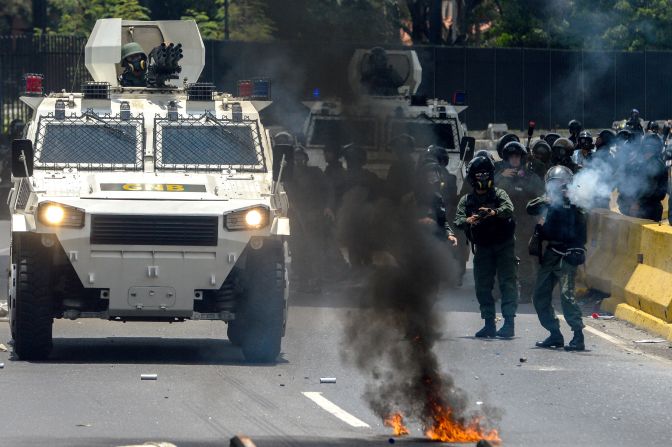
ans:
(90, 392)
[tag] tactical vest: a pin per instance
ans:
(492, 230)
(561, 226)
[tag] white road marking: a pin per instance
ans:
(605, 336)
(334, 409)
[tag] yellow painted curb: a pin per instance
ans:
(643, 320)
(609, 304)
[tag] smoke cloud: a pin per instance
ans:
(392, 337)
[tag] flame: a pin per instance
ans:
(396, 422)
(445, 428)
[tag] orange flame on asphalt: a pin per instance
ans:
(396, 422)
(446, 429)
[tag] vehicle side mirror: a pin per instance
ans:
(281, 151)
(21, 148)
(467, 148)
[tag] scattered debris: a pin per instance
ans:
(651, 340)
(479, 403)
(3, 348)
(522, 359)
(327, 379)
(153, 444)
(483, 443)
(598, 316)
(84, 425)
(149, 376)
(2, 366)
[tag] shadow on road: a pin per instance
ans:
(148, 350)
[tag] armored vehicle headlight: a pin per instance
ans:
(55, 214)
(249, 219)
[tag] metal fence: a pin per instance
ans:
(59, 58)
(502, 85)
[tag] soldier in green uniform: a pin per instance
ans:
(563, 225)
(134, 63)
(522, 185)
(486, 216)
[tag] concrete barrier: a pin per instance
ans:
(631, 259)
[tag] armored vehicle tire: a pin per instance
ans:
(235, 332)
(263, 307)
(31, 315)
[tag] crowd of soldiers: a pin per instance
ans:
(506, 209)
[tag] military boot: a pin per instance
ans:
(489, 330)
(507, 331)
(576, 343)
(555, 340)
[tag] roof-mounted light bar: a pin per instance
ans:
(33, 84)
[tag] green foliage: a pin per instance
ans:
(11, 9)
(78, 16)
(247, 19)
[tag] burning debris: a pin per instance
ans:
(393, 335)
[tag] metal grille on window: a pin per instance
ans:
(426, 131)
(90, 142)
(23, 194)
(207, 143)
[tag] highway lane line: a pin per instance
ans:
(334, 409)
(603, 335)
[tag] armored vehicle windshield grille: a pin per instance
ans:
(441, 132)
(89, 142)
(154, 230)
(207, 143)
(360, 131)
(23, 194)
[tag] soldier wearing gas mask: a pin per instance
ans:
(522, 186)
(563, 226)
(642, 183)
(561, 154)
(575, 128)
(584, 149)
(634, 123)
(134, 63)
(540, 161)
(486, 217)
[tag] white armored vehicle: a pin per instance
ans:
(384, 105)
(146, 203)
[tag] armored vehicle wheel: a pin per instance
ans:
(31, 312)
(235, 332)
(263, 307)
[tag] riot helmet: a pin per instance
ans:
(354, 156)
(16, 128)
(509, 137)
(300, 157)
(625, 135)
(652, 144)
(560, 174)
(440, 154)
(481, 173)
(402, 143)
(634, 115)
(551, 138)
(585, 141)
(561, 149)
(485, 153)
(605, 139)
(575, 127)
(133, 56)
(541, 151)
(653, 127)
(514, 148)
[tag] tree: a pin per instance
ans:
(248, 19)
(11, 10)
(79, 16)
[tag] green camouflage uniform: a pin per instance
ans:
(494, 253)
(564, 227)
(521, 189)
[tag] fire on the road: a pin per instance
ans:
(445, 428)
(396, 422)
